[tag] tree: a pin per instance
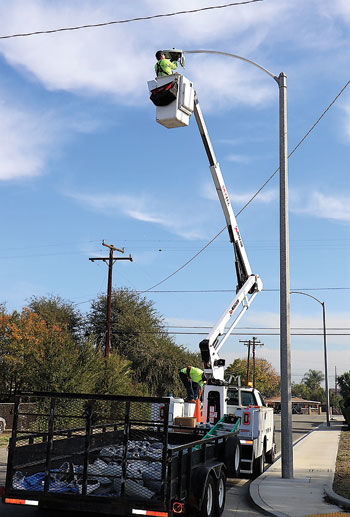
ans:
(138, 335)
(56, 311)
(313, 378)
(344, 386)
(267, 380)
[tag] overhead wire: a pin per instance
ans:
(129, 20)
(256, 193)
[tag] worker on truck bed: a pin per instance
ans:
(193, 379)
(164, 66)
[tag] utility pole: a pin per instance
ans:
(335, 381)
(250, 344)
(247, 343)
(255, 343)
(110, 261)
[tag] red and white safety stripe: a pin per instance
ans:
(21, 501)
(246, 442)
(149, 512)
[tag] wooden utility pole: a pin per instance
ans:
(110, 261)
(247, 343)
(250, 344)
(255, 343)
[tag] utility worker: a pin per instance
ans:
(164, 66)
(193, 379)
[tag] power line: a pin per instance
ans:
(256, 193)
(208, 291)
(129, 20)
(233, 290)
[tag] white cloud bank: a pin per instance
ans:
(117, 60)
(323, 206)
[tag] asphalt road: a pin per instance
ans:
(237, 498)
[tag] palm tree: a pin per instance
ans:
(313, 378)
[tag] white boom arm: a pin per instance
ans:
(248, 284)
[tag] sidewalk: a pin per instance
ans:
(314, 466)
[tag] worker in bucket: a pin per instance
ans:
(193, 379)
(164, 66)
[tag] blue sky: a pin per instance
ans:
(82, 159)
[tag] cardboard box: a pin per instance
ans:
(185, 421)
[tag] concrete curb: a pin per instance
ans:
(255, 497)
(337, 499)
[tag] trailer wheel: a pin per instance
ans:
(220, 494)
(2, 426)
(208, 504)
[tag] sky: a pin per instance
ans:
(83, 159)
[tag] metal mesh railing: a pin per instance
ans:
(92, 446)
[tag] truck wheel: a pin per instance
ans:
(271, 455)
(232, 457)
(259, 465)
(220, 494)
(208, 504)
(2, 427)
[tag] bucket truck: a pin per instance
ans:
(219, 398)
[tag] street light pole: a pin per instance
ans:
(285, 356)
(324, 351)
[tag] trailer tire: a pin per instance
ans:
(2, 426)
(220, 495)
(232, 458)
(209, 499)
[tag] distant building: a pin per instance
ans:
(299, 405)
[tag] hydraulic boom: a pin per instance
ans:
(248, 284)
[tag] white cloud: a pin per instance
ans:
(238, 158)
(322, 206)
(26, 139)
(30, 136)
(146, 211)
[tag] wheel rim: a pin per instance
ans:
(209, 499)
(237, 459)
(221, 495)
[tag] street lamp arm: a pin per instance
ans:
(309, 295)
(234, 56)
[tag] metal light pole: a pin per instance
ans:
(324, 350)
(285, 356)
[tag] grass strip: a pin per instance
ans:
(341, 483)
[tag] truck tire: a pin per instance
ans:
(271, 455)
(259, 465)
(220, 495)
(2, 427)
(232, 457)
(210, 496)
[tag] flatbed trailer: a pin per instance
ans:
(106, 454)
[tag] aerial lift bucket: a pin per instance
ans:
(173, 96)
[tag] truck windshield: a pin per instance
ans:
(248, 398)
